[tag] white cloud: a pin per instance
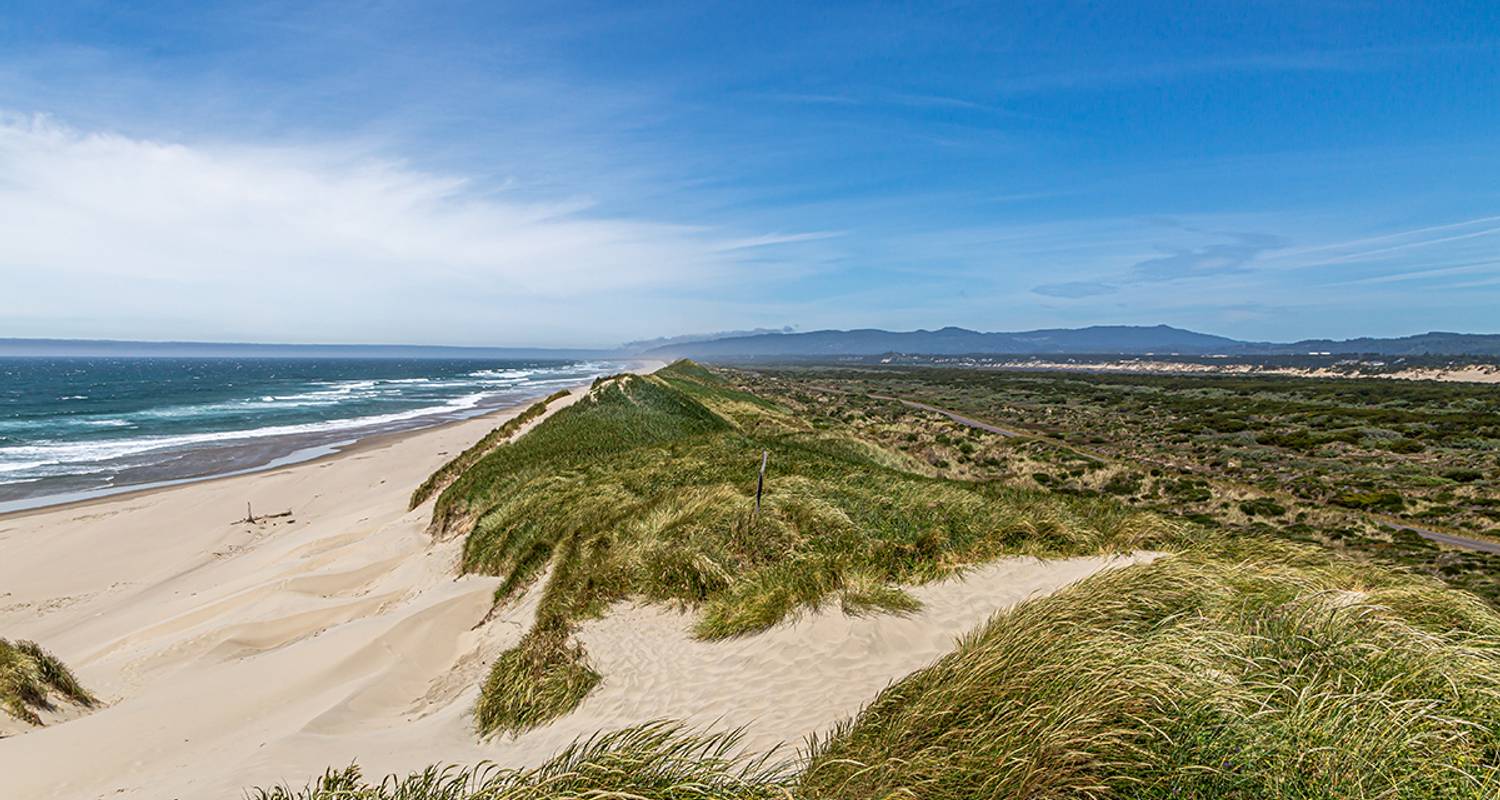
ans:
(105, 235)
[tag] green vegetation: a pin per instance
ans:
(645, 488)
(1242, 669)
(451, 470)
(1274, 671)
(1242, 665)
(658, 761)
(30, 676)
(1337, 457)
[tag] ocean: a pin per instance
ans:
(75, 428)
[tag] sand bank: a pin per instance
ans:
(233, 654)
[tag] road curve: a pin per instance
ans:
(1449, 539)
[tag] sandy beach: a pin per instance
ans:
(232, 654)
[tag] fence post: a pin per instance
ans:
(760, 483)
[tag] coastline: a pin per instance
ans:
(353, 447)
(311, 453)
(169, 606)
(230, 654)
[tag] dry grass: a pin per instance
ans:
(1269, 671)
(1246, 670)
(30, 677)
(657, 760)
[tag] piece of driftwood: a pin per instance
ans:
(252, 519)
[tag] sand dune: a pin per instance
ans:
(233, 654)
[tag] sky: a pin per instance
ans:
(581, 174)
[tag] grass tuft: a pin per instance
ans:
(656, 760)
(1242, 670)
(30, 676)
(1273, 672)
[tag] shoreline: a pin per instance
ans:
(350, 448)
(328, 451)
(229, 654)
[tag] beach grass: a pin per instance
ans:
(645, 488)
(1240, 669)
(1260, 670)
(31, 678)
(451, 470)
(661, 761)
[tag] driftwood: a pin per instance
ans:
(252, 519)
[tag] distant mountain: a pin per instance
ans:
(65, 348)
(1436, 343)
(692, 338)
(1094, 340)
(1101, 339)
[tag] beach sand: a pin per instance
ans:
(232, 655)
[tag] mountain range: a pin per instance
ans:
(1093, 340)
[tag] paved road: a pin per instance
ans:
(1481, 545)
(1462, 542)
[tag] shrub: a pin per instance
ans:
(1371, 500)
(1262, 507)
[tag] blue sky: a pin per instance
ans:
(585, 173)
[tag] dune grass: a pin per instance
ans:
(1244, 670)
(1274, 671)
(445, 475)
(645, 488)
(30, 677)
(658, 761)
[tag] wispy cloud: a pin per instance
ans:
(1386, 237)
(1075, 289)
(1363, 255)
(1133, 72)
(1176, 262)
(1205, 261)
(98, 225)
(773, 239)
(1426, 273)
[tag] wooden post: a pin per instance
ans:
(760, 483)
(249, 515)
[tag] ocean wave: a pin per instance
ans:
(502, 373)
(80, 444)
(336, 393)
(31, 456)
